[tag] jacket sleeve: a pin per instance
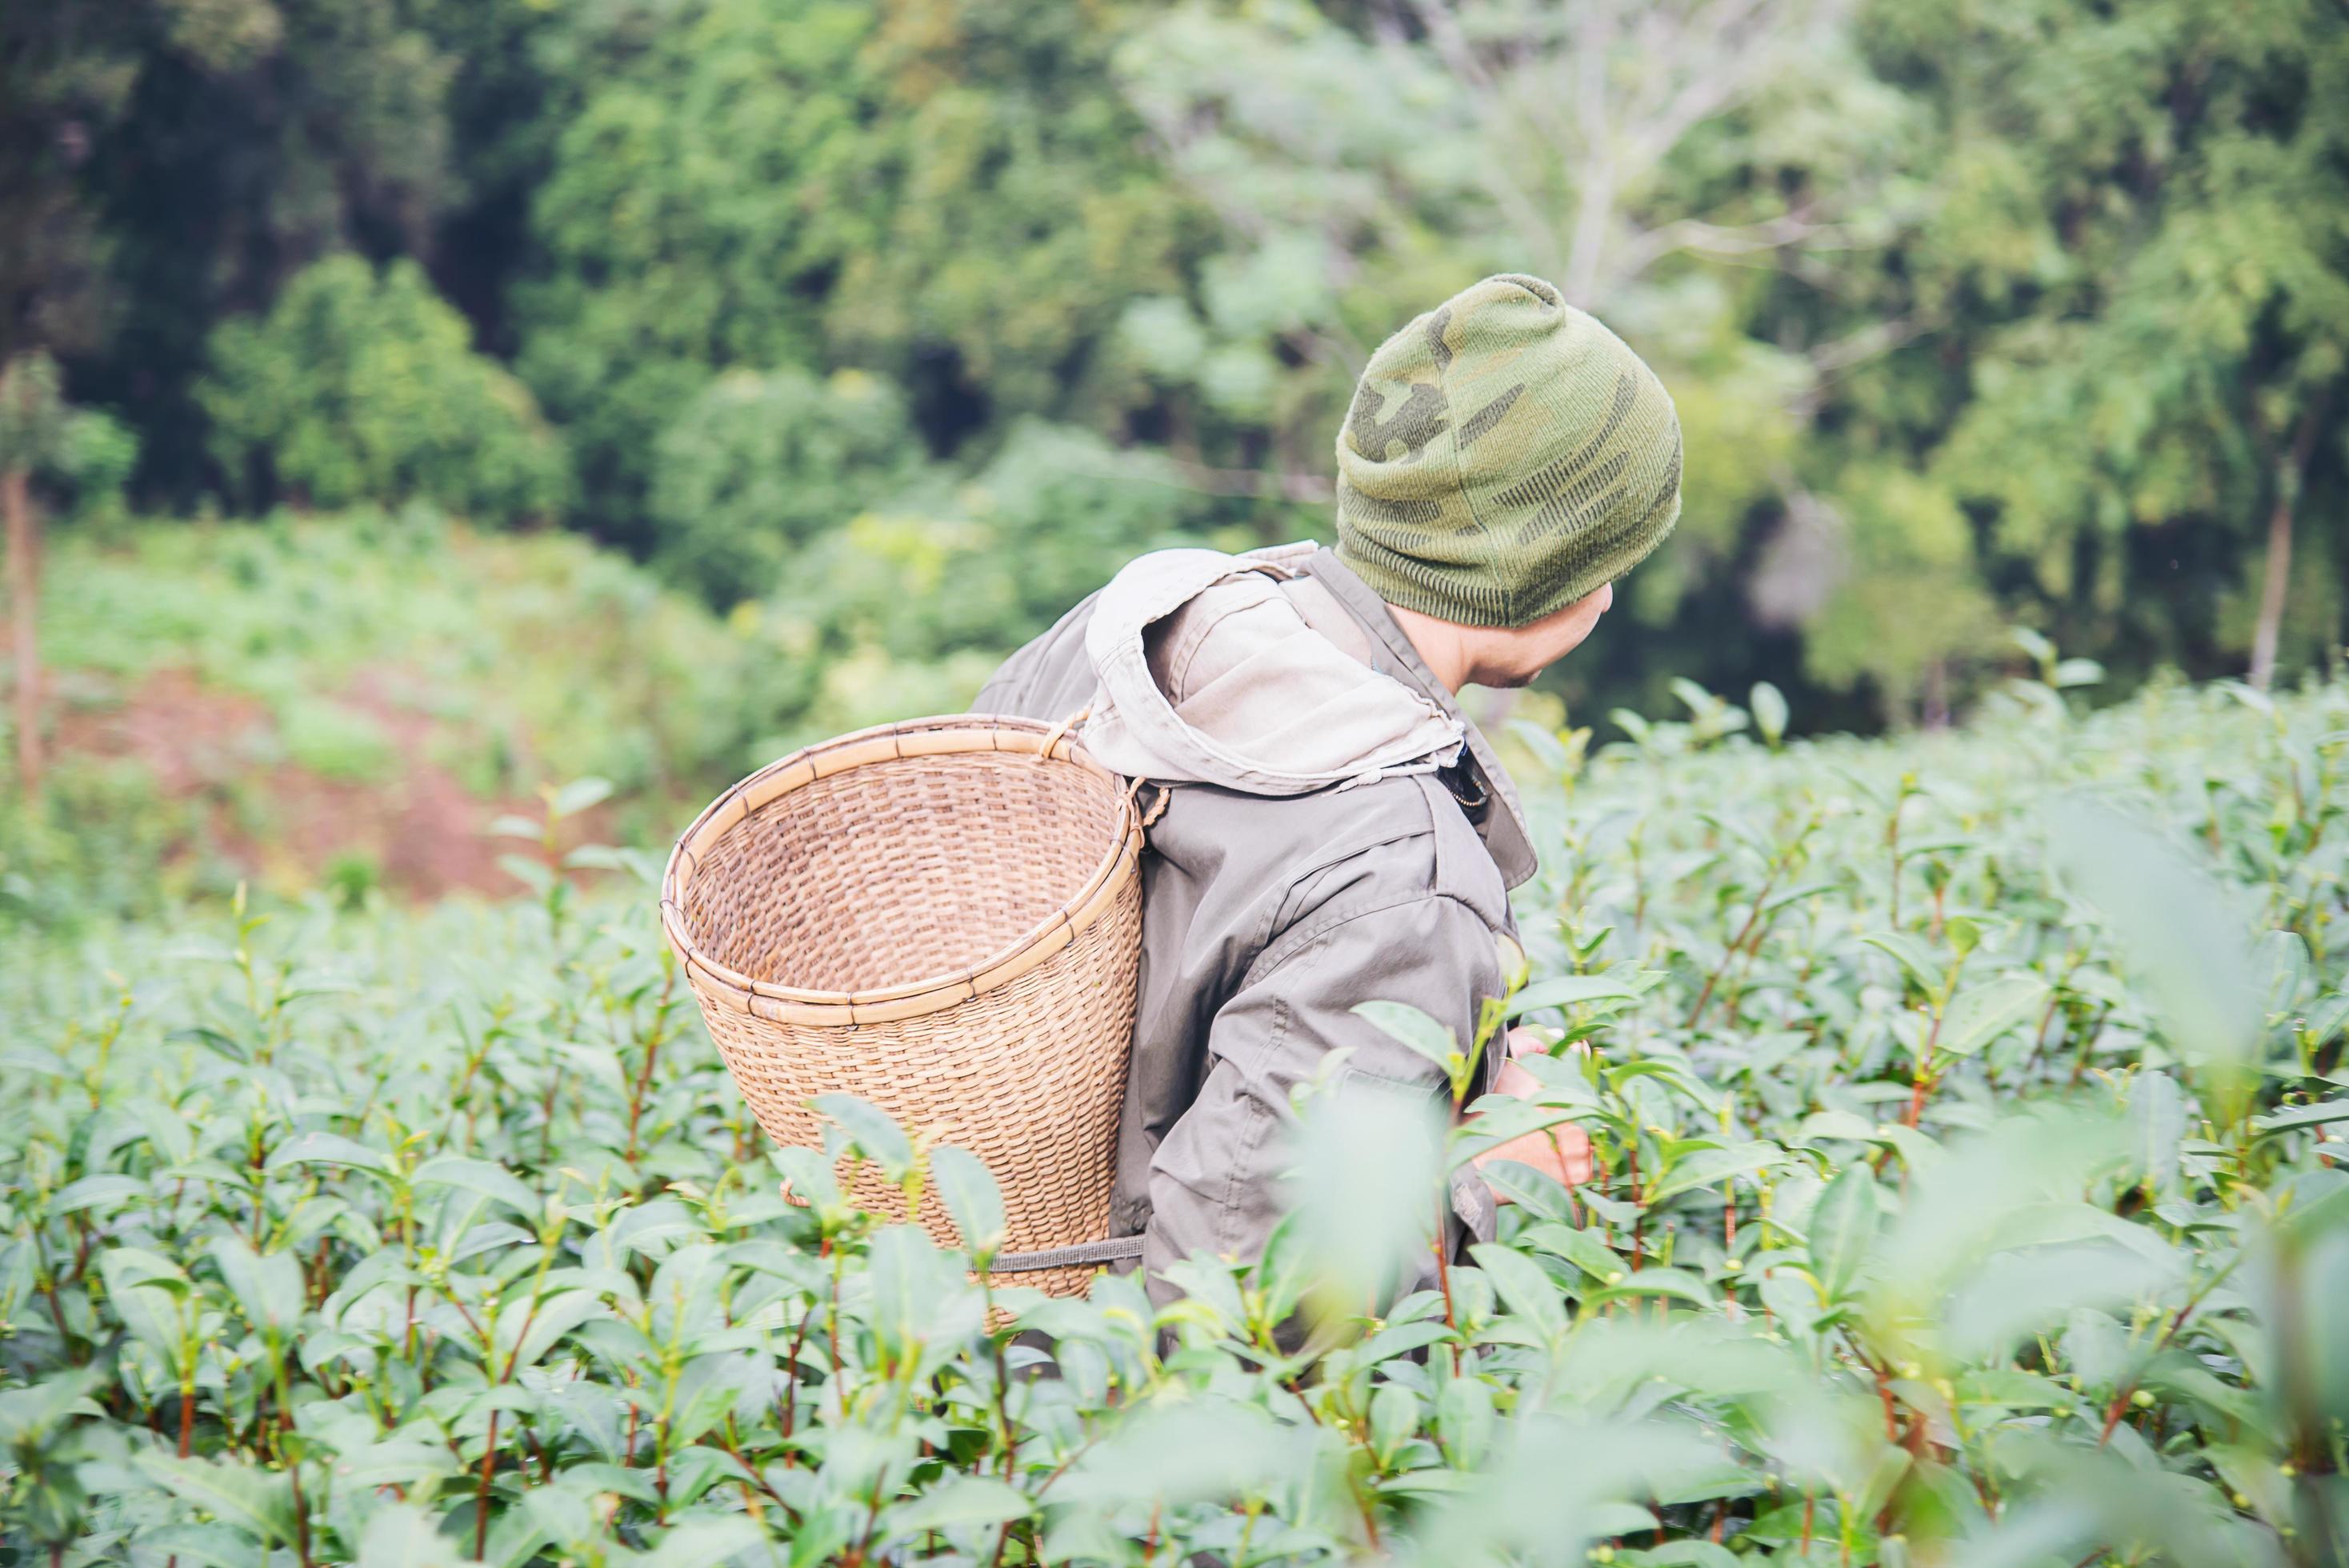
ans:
(1216, 1180)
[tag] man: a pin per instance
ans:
(1333, 829)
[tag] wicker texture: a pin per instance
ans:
(942, 917)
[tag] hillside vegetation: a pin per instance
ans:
(354, 699)
(351, 700)
(1965, 1111)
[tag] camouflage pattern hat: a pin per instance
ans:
(1504, 456)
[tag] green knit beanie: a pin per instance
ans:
(1504, 455)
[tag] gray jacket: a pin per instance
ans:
(1314, 852)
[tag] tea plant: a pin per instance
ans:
(1963, 1111)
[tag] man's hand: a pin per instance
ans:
(1561, 1152)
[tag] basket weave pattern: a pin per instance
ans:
(944, 919)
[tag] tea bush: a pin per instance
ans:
(1963, 1111)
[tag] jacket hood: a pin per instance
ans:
(1242, 672)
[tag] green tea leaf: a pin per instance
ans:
(579, 795)
(524, 1336)
(1544, 743)
(1562, 991)
(957, 1503)
(1581, 1248)
(876, 1133)
(97, 1192)
(529, 872)
(2322, 1113)
(971, 1197)
(1705, 1167)
(1842, 1225)
(1978, 1015)
(1523, 1287)
(2186, 939)
(328, 1149)
(2158, 1120)
(394, 1462)
(649, 1227)
(146, 1290)
(481, 1178)
(1768, 706)
(1414, 1028)
(267, 1286)
(254, 1501)
(1916, 960)
(1678, 1284)
(808, 1177)
(912, 1284)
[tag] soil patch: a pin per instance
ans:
(424, 833)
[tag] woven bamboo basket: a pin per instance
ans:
(943, 916)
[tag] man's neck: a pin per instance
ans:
(1438, 644)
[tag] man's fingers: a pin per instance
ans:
(1560, 1152)
(1573, 1154)
(1572, 1146)
(1516, 1080)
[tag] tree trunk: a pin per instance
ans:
(2276, 580)
(24, 602)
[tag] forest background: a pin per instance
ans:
(412, 402)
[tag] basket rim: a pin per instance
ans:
(941, 735)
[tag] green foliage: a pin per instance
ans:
(909, 608)
(945, 193)
(168, 163)
(1964, 1192)
(1973, 315)
(335, 741)
(2149, 301)
(677, 223)
(364, 387)
(107, 843)
(32, 413)
(77, 459)
(1912, 594)
(757, 465)
(372, 648)
(93, 466)
(1013, 206)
